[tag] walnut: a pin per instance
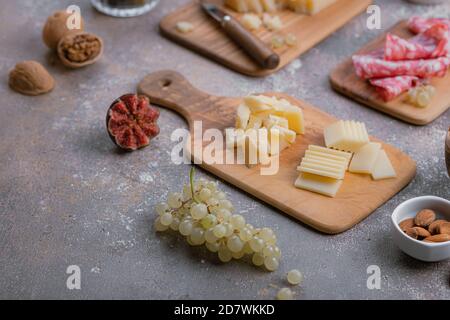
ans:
(79, 49)
(30, 78)
(56, 27)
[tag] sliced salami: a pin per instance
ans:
(418, 24)
(433, 43)
(373, 66)
(389, 88)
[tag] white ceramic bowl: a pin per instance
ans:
(424, 251)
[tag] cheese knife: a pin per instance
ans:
(253, 46)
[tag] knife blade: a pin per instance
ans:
(253, 46)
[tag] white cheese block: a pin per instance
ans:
(346, 135)
(309, 6)
(364, 160)
(383, 168)
(322, 185)
(242, 117)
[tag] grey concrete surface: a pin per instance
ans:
(67, 197)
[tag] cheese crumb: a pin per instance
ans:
(251, 21)
(184, 27)
(291, 40)
(272, 23)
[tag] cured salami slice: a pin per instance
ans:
(389, 88)
(418, 24)
(373, 66)
(433, 43)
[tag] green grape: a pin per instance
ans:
(226, 204)
(268, 251)
(223, 214)
(205, 194)
(185, 227)
(209, 221)
(294, 277)
(258, 259)
(271, 263)
(276, 252)
(219, 231)
(166, 219)
(174, 200)
(220, 195)
(245, 234)
(238, 255)
(175, 224)
(285, 294)
(213, 247)
(211, 185)
(237, 221)
(247, 249)
(266, 234)
(199, 211)
(212, 202)
(235, 244)
(158, 226)
(224, 254)
(210, 237)
(187, 194)
(198, 236)
(161, 208)
(229, 228)
(257, 244)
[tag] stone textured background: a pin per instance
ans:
(68, 197)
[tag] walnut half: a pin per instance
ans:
(30, 78)
(80, 49)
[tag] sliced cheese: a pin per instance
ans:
(273, 120)
(332, 152)
(242, 117)
(346, 135)
(322, 185)
(364, 160)
(383, 168)
(309, 7)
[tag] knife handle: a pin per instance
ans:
(257, 49)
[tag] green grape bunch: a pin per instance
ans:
(203, 214)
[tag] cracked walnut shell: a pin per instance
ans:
(30, 78)
(56, 27)
(77, 50)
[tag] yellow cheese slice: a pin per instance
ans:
(321, 171)
(322, 185)
(346, 135)
(332, 152)
(295, 118)
(364, 160)
(327, 164)
(327, 160)
(383, 168)
(258, 103)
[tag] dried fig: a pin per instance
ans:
(132, 122)
(30, 78)
(77, 50)
(424, 218)
(56, 27)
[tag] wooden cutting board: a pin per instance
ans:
(344, 80)
(209, 40)
(358, 197)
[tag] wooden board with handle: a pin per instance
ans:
(358, 197)
(208, 39)
(344, 80)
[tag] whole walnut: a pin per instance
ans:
(30, 78)
(56, 27)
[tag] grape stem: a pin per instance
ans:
(191, 180)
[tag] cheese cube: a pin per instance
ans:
(277, 142)
(285, 134)
(346, 135)
(184, 27)
(272, 23)
(237, 5)
(258, 104)
(251, 21)
(295, 118)
(322, 185)
(383, 168)
(364, 160)
(309, 7)
(255, 122)
(273, 120)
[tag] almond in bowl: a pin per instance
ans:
(421, 228)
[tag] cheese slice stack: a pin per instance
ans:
(346, 135)
(322, 170)
(309, 7)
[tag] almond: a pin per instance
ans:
(424, 218)
(421, 232)
(438, 238)
(444, 228)
(412, 233)
(433, 227)
(406, 224)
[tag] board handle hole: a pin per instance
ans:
(165, 83)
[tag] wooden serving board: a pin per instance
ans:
(344, 80)
(209, 40)
(358, 197)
